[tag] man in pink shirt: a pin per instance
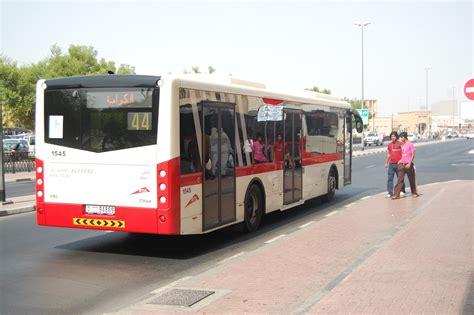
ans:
(394, 154)
(406, 166)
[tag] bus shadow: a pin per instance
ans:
(191, 246)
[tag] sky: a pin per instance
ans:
(288, 45)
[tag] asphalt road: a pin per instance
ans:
(21, 188)
(53, 270)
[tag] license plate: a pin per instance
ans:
(94, 209)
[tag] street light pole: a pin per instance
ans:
(427, 109)
(453, 87)
(426, 72)
(2, 173)
(362, 25)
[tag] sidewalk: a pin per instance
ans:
(21, 204)
(412, 255)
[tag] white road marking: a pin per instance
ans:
(275, 238)
(365, 198)
(305, 225)
(370, 166)
(471, 152)
(330, 214)
(349, 205)
(231, 257)
(170, 285)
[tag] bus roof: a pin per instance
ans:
(237, 86)
(98, 81)
(213, 82)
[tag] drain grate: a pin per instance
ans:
(181, 297)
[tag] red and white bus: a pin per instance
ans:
(183, 155)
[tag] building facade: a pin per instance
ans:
(419, 122)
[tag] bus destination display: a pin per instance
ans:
(120, 99)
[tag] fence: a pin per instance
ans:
(18, 162)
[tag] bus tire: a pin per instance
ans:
(332, 183)
(253, 208)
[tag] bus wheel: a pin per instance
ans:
(253, 208)
(331, 186)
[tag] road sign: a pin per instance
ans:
(364, 113)
(469, 89)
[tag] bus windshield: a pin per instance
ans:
(101, 119)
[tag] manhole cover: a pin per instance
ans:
(181, 297)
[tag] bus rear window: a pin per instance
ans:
(101, 119)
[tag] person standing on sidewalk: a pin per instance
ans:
(406, 166)
(394, 154)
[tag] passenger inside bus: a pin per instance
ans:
(278, 152)
(259, 149)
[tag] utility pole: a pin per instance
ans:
(453, 106)
(427, 108)
(362, 25)
(2, 170)
(426, 71)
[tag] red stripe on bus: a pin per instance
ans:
(191, 179)
(309, 159)
(312, 158)
(258, 168)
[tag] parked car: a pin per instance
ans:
(412, 137)
(16, 148)
(470, 135)
(373, 137)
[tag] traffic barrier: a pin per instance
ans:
(18, 162)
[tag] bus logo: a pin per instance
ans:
(140, 191)
(193, 199)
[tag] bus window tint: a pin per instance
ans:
(62, 104)
(101, 120)
(323, 130)
(189, 151)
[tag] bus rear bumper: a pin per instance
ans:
(126, 219)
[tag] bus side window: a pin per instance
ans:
(188, 141)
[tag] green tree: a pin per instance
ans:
(355, 103)
(318, 90)
(18, 82)
(210, 70)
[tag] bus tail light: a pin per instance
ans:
(40, 217)
(168, 195)
(39, 181)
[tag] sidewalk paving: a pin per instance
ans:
(412, 255)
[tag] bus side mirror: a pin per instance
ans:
(359, 126)
(358, 121)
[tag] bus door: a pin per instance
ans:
(292, 167)
(219, 160)
(348, 133)
(348, 149)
